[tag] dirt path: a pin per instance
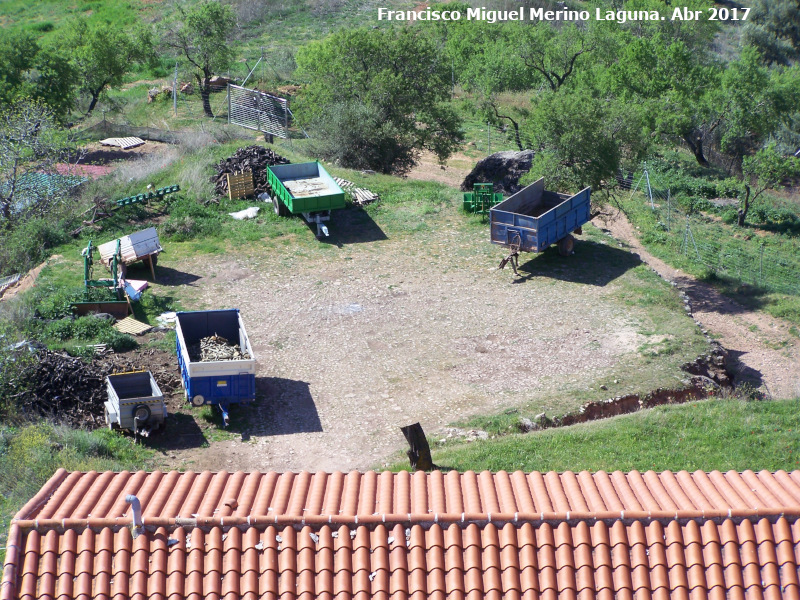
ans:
(764, 352)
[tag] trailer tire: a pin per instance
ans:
(279, 207)
(566, 245)
(141, 413)
(198, 400)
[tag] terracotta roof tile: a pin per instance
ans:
(399, 535)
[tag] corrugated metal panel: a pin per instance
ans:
(257, 110)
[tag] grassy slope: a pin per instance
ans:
(715, 226)
(29, 455)
(43, 17)
(710, 435)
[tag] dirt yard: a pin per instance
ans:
(356, 341)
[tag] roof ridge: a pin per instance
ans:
(426, 520)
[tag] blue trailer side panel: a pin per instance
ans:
(534, 218)
(223, 388)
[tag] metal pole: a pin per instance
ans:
(669, 210)
(488, 139)
(761, 266)
(649, 190)
(229, 102)
(175, 91)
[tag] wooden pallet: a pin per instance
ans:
(359, 196)
(240, 185)
(131, 325)
(124, 143)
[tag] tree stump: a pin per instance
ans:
(420, 453)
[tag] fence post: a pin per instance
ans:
(175, 91)
(649, 189)
(761, 265)
(488, 139)
(685, 237)
(669, 210)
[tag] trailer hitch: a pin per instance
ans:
(318, 218)
(513, 256)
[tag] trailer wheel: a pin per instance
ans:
(111, 426)
(279, 207)
(566, 245)
(141, 412)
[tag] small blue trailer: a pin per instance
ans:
(218, 382)
(534, 218)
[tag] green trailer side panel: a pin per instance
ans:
(327, 196)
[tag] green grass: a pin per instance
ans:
(30, 454)
(46, 16)
(771, 223)
(720, 434)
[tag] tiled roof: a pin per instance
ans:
(401, 535)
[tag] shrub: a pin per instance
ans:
(26, 245)
(356, 136)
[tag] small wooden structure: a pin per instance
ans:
(143, 245)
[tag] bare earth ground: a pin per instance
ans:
(767, 356)
(455, 169)
(354, 342)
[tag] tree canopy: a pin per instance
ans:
(398, 77)
(200, 36)
(102, 55)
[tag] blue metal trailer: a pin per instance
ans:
(534, 218)
(220, 382)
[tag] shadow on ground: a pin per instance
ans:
(741, 372)
(180, 432)
(282, 407)
(352, 225)
(592, 263)
(164, 275)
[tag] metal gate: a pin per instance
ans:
(258, 110)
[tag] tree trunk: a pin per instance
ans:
(696, 146)
(514, 124)
(205, 94)
(93, 103)
(742, 212)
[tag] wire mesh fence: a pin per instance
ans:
(750, 261)
(489, 138)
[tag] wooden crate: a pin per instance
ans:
(240, 185)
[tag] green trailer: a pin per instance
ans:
(305, 189)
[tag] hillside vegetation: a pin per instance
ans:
(706, 111)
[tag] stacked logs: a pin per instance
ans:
(251, 158)
(68, 390)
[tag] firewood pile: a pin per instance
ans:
(216, 347)
(68, 390)
(251, 158)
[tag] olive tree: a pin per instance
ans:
(201, 37)
(392, 85)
